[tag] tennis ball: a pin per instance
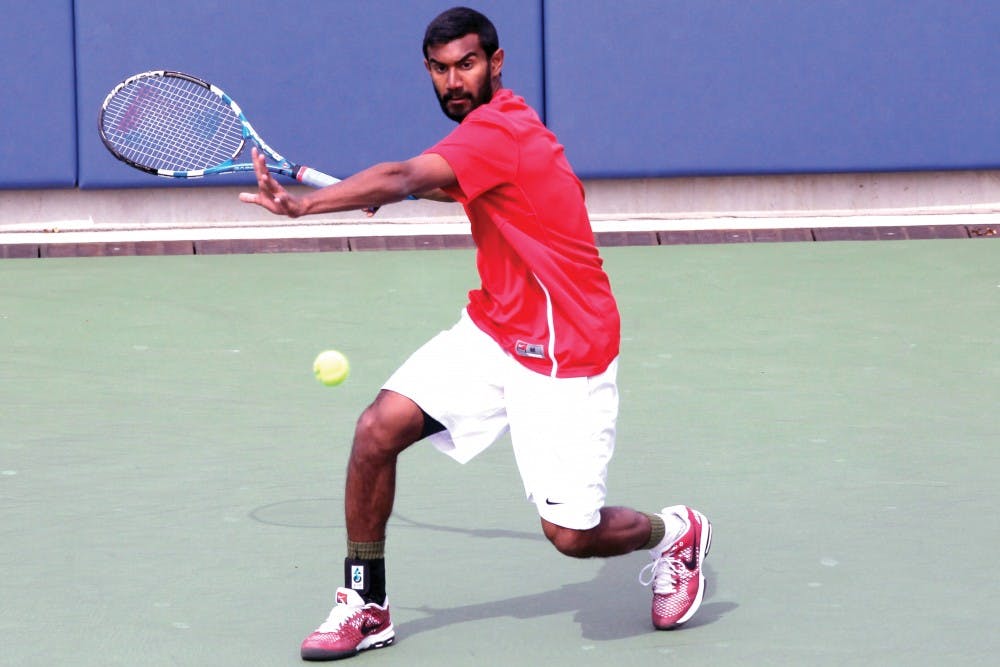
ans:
(331, 368)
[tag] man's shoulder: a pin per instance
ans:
(506, 110)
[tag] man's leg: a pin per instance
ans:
(563, 434)
(621, 531)
(678, 539)
(360, 619)
(387, 427)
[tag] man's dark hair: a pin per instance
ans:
(458, 22)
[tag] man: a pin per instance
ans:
(535, 351)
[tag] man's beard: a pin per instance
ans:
(484, 95)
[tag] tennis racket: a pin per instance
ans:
(176, 125)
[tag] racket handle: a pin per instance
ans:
(313, 178)
(318, 179)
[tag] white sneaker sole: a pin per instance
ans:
(384, 638)
(379, 640)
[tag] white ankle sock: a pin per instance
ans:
(675, 525)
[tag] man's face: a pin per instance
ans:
(462, 75)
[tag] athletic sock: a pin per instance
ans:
(366, 550)
(656, 532)
(666, 529)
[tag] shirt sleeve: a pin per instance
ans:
(482, 154)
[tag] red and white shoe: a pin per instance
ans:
(675, 573)
(351, 627)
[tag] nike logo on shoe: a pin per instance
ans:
(369, 627)
(692, 564)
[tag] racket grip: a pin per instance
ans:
(318, 179)
(313, 178)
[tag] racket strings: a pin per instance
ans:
(173, 124)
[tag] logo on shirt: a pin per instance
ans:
(533, 350)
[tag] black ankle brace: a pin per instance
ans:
(367, 577)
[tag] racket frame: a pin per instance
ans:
(275, 162)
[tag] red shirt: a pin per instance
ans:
(545, 297)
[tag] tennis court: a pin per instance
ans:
(171, 473)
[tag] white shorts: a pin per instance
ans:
(562, 429)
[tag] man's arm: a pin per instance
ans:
(381, 184)
(436, 194)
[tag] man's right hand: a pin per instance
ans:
(270, 194)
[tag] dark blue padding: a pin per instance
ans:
(681, 87)
(38, 145)
(335, 85)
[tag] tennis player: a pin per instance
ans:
(535, 351)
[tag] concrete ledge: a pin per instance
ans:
(171, 220)
(803, 195)
(251, 241)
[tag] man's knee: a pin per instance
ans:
(370, 428)
(387, 426)
(568, 541)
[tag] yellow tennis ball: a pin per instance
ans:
(331, 368)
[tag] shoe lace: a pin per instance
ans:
(663, 573)
(338, 616)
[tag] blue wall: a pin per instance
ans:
(669, 87)
(38, 135)
(632, 88)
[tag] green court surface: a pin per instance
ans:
(171, 474)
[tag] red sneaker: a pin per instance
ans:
(351, 627)
(678, 582)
